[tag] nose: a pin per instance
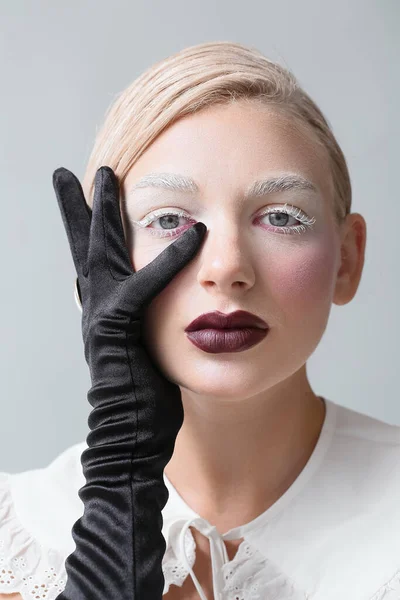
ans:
(225, 263)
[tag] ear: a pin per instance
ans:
(353, 242)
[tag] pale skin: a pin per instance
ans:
(251, 419)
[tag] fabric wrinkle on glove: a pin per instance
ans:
(137, 412)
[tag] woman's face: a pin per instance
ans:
(246, 261)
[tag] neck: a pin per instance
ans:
(234, 458)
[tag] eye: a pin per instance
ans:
(169, 220)
(281, 215)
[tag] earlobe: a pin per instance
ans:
(352, 254)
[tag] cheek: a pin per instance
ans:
(302, 281)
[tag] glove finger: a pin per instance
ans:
(108, 251)
(154, 277)
(76, 215)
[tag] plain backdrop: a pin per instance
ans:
(62, 64)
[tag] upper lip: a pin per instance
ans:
(219, 320)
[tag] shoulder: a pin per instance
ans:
(38, 508)
(355, 506)
(362, 460)
(368, 451)
(353, 424)
(46, 499)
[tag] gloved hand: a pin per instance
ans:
(137, 412)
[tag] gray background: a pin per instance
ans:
(62, 64)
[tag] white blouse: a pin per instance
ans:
(333, 535)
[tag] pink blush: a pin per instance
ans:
(302, 279)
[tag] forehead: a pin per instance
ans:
(231, 144)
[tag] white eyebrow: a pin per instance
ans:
(281, 183)
(174, 181)
(171, 181)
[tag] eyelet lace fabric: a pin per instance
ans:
(249, 576)
(174, 570)
(26, 567)
(38, 572)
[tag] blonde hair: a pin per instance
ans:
(193, 79)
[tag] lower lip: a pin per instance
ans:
(215, 341)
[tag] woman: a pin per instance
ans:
(274, 491)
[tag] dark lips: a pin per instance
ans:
(215, 341)
(216, 332)
(234, 320)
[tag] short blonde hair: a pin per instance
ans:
(193, 79)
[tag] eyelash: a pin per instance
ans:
(306, 222)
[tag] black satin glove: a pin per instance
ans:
(137, 412)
